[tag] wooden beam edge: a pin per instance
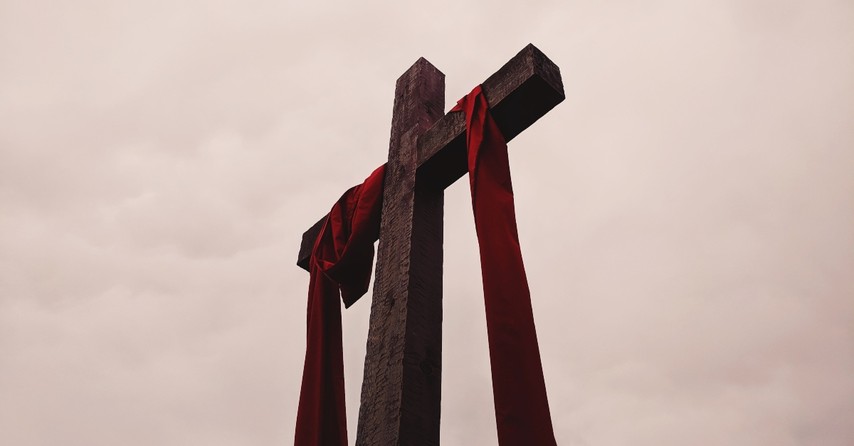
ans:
(522, 91)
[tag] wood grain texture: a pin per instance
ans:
(401, 391)
(519, 93)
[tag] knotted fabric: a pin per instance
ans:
(340, 263)
(518, 387)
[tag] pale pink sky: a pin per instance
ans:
(686, 215)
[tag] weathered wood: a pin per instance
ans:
(401, 391)
(307, 244)
(522, 91)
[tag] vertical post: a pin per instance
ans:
(401, 391)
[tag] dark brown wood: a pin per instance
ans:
(401, 391)
(307, 243)
(522, 91)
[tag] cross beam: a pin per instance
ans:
(401, 391)
(526, 88)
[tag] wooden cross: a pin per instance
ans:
(401, 391)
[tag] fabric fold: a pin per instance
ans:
(518, 386)
(340, 268)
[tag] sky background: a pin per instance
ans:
(686, 215)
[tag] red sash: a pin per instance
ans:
(341, 260)
(518, 387)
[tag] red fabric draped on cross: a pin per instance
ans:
(342, 257)
(518, 386)
(340, 260)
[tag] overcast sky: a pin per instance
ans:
(686, 215)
